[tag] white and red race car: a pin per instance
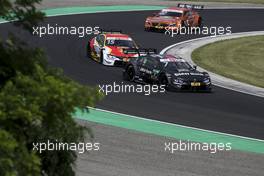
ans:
(109, 48)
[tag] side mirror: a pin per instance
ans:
(195, 67)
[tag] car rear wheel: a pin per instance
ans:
(200, 22)
(147, 29)
(88, 51)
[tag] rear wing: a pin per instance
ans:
(102, 31)
(140, 51)
(190, 6)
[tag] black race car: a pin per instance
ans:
(172, 72)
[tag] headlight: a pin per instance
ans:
(109, 56)
(207, 80)
(178, 81)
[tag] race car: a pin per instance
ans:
(184, 15)
(174, 73)
(108, 48)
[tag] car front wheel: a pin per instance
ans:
(129, 74)
(101, 59)
(164, 81)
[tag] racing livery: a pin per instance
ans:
(174, 17)
(109, 48)
(172, 72)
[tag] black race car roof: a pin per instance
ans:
(167, 58)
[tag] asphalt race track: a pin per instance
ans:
(223, 110)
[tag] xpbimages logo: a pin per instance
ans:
(212, 30)
(80, 31)
(80, 147)
(211, 147)
(146, 89)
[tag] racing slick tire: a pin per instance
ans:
(147, 29)
(200, 22)
(164, 81)
(88, 51)
(184, 24)
(129, 74)
(101, 59)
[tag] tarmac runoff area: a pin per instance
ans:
(130, 152)
(185, 49)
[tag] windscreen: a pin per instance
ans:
(178, 66)
(171, 13)
(120, 42)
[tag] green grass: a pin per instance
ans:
(240, 59)
(232, 1)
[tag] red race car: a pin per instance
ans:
(174, 18)
(109, 48)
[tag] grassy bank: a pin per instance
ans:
(240, 59)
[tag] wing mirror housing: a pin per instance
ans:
(195, 67)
